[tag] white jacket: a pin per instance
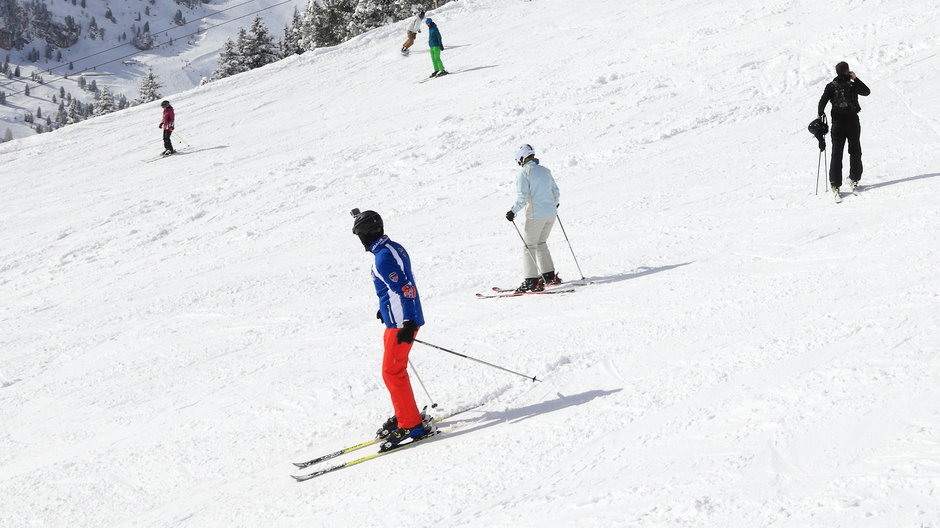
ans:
(415, 25)
(536, 187)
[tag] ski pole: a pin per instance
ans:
(818, 166)
(413, 369)
(569, 245)
(533, 378)
(183, 140)
(526, 246)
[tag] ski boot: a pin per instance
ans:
(392, 423)
(550, 278)
(837, 194)
(441, 73)
(531, 284)
(396, 437)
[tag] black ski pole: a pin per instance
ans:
(533, 378)
(413, 369)
(569, 246)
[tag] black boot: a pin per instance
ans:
(530, 284)
(550, 277)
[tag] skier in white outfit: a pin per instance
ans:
(414, 27)
(537, 191)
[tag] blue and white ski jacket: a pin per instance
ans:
(394, 284)
(536, 186)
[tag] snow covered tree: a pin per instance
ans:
(331, 26)
(3, 97)
(402, 9)
(74, 113)
(61, 115)
(178, 18)
(38, 112)
(26, 90)
(293, 32)
(230, 61)
(258, 48)
(8, 135)
(367, 15)
(104, 102)
(149, 88)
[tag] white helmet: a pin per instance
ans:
(524, 152)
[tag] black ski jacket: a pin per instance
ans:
(843, 106)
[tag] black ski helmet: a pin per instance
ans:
(818, 127)
(368, 222)
(165, 104)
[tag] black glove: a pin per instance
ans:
(406, 334)
(510, 215)
(822, 144)
(378, 314)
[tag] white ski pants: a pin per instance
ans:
(536, 234)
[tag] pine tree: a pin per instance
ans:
(308, 39)
(26, 91)
(61, 116)
(259, 49)
(229, 61)
(8, 135)
(74, 113)
(293, 32)
(369, 14)
(403, 9)
(104, 102)
(149, 88)
(39, 112)
(332, 26)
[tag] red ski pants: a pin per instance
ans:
(395, 374)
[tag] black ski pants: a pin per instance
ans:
(845, 129)
(169, 146)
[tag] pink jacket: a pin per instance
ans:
(168, 116)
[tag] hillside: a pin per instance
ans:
(104, 53)
(750, 354)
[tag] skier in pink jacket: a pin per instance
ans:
(167, 126)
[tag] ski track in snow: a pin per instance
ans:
(174, 334)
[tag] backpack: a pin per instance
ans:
(842, 100)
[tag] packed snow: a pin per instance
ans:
(749, 354)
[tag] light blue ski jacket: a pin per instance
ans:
(536, 186)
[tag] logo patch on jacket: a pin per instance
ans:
(393, 277)
(409, 292)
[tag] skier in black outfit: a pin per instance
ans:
(843, 92)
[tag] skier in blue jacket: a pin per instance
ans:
(535, 187)
(436, 45)
(400, 310)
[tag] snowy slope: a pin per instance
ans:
(173, 334)
(180, 58)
